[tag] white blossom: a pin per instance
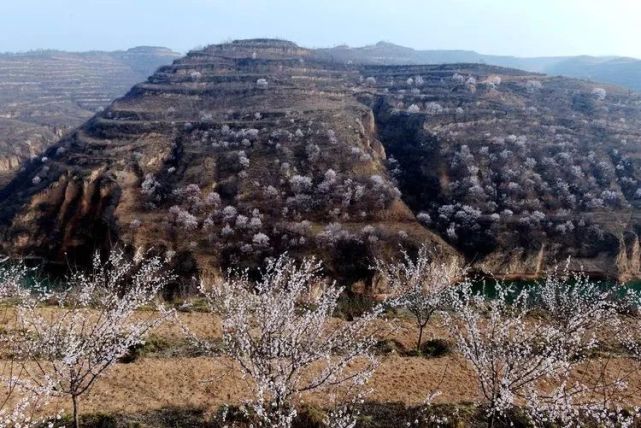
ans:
(413, 109)
(280, 326)
(420, 285)
(599, 93)
(261, 240)
(94, 326)
(261, 83)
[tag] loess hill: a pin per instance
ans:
(243, 150)
(45, 93)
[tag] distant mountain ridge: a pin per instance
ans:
(83, 81)
(614, 70)
(43, 93)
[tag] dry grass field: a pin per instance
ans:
(169, 375)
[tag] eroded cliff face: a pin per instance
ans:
(68, 220)
(241, 151)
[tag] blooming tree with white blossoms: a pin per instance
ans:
(280, 332)
(420, 285)
(514, 351)
(94, 325)
(23, 400)
(509, 353)
(576, 303)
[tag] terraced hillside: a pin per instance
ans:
(44, 93)
(243, 150)
(19, 141)
(517, 171)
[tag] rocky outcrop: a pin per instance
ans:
(240, 151)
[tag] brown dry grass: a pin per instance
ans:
(157, 381)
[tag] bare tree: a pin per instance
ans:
(279, 329)
(93, 326)
(421, 285)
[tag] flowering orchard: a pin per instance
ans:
(543, 352)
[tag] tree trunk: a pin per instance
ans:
(76, 420)
(492, 419)
(420, 338)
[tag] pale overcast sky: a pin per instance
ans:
(509, 27)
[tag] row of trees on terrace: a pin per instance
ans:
(524, 346)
